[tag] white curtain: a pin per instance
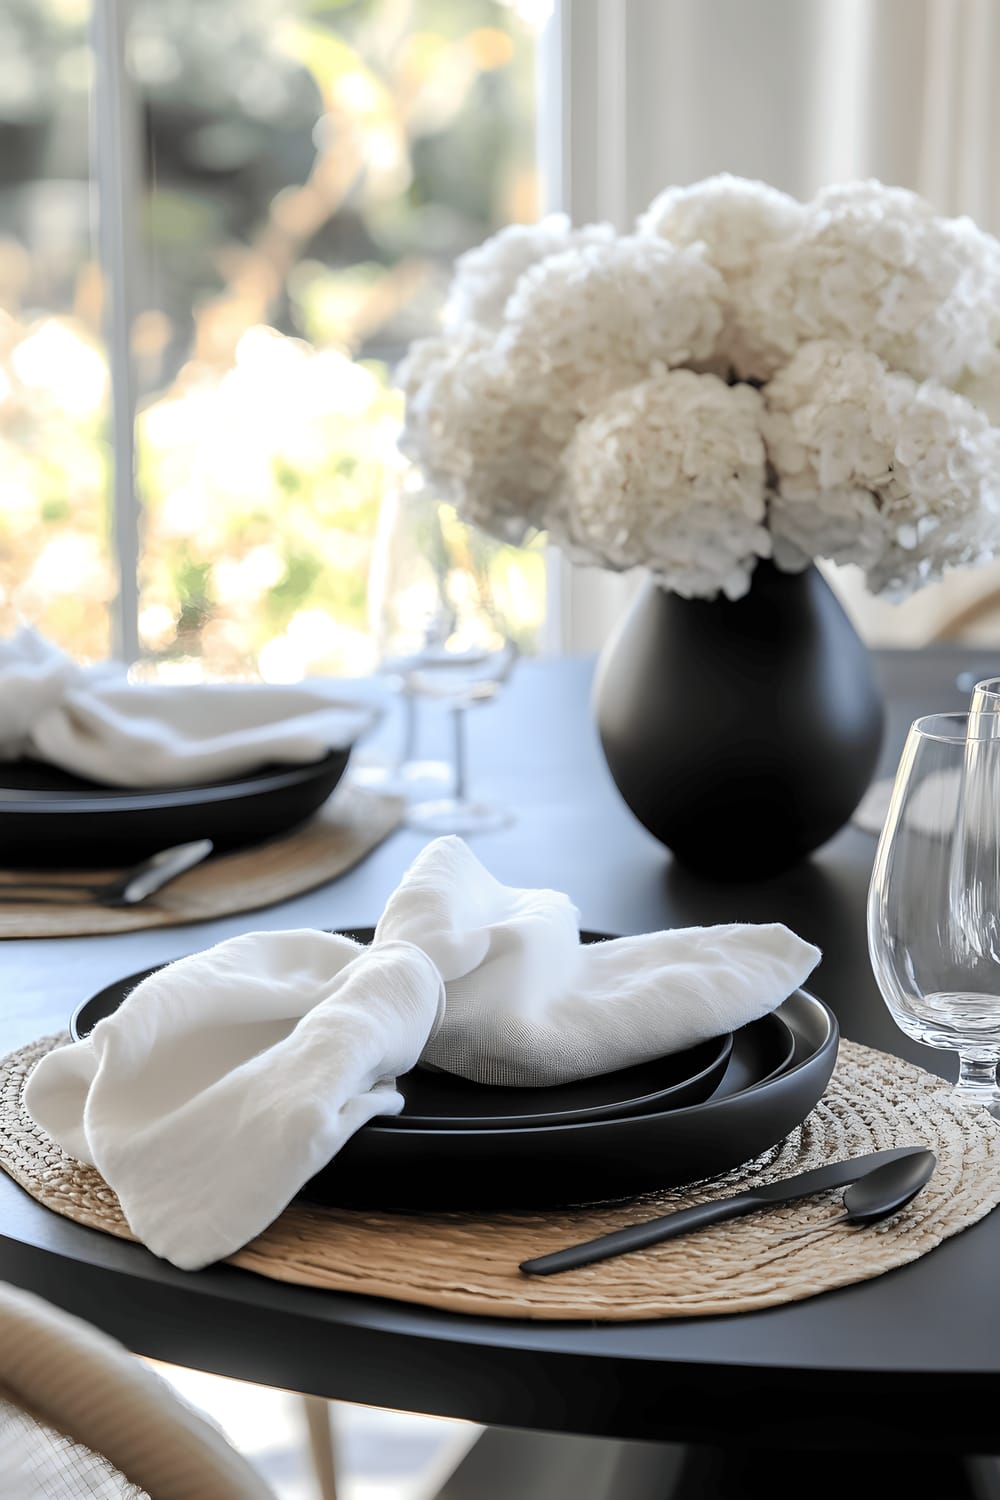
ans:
(799, 93)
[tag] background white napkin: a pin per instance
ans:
(93, 722)
(932, 808)
(225, 1080)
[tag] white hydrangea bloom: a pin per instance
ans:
(474, 435)
(732, 216)
(575, 388)
(983, 389)
(948, 455)
(486, 276)
(739, 221)
(593, 320)
(875, 267)
(669, 475)
(873, 468)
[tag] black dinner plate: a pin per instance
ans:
(777, 1070)
(48, 816)
(593, 1161)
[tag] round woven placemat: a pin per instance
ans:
(349, 825)
(468, 1262)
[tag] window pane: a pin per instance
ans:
(313, 168)
(55, 566)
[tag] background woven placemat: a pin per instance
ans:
(468, 1262)
(348, 826)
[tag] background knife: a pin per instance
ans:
(153, 874)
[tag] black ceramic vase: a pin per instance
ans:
(741, 734)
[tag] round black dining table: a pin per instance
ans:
(894, 1382)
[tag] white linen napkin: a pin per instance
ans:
(94, 722)
(227, 1079)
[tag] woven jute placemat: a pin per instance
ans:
(346, 828)
(468, 1262)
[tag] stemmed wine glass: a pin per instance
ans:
(441, 631)
(934, 898)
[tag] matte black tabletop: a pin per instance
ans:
(909, 1359)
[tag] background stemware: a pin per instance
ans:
(985, 705)
(934, 898)
(395, 766)
(442, 633)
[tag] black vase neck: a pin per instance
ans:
(779, 607)
(767, 581)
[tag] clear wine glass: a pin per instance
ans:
(986, 702)
(934, 899)
(440, 629)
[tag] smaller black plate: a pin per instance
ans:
(766, 1048)
(48, 816)
(444, 1101)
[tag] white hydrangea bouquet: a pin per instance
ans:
(744, 376)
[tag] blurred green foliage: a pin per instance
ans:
(312, 168)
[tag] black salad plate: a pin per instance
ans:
(775, 1072)
(435, 1100)
(48, 816)
(767, 1048)
(443, 1101)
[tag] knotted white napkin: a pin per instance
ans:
(227, 1079)
(94, 722)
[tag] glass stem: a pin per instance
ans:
(409, 749)
(977, 1079)
(458, 732)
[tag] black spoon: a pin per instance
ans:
(880, 1193)
(876, 1186)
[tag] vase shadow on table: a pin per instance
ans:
(807, 895)
(822, 902)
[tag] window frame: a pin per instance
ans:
(115, 133)
(581, 138)
(588, 126)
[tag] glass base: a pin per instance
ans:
(977, 1083)
(417, 774)
(457, 815)
(978, 1098)
(410, 779)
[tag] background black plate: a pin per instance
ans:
(763, 1094)
(49, 817)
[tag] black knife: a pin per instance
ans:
(683, 1220)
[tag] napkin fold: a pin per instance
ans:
(93, 722)
(225, 1080)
